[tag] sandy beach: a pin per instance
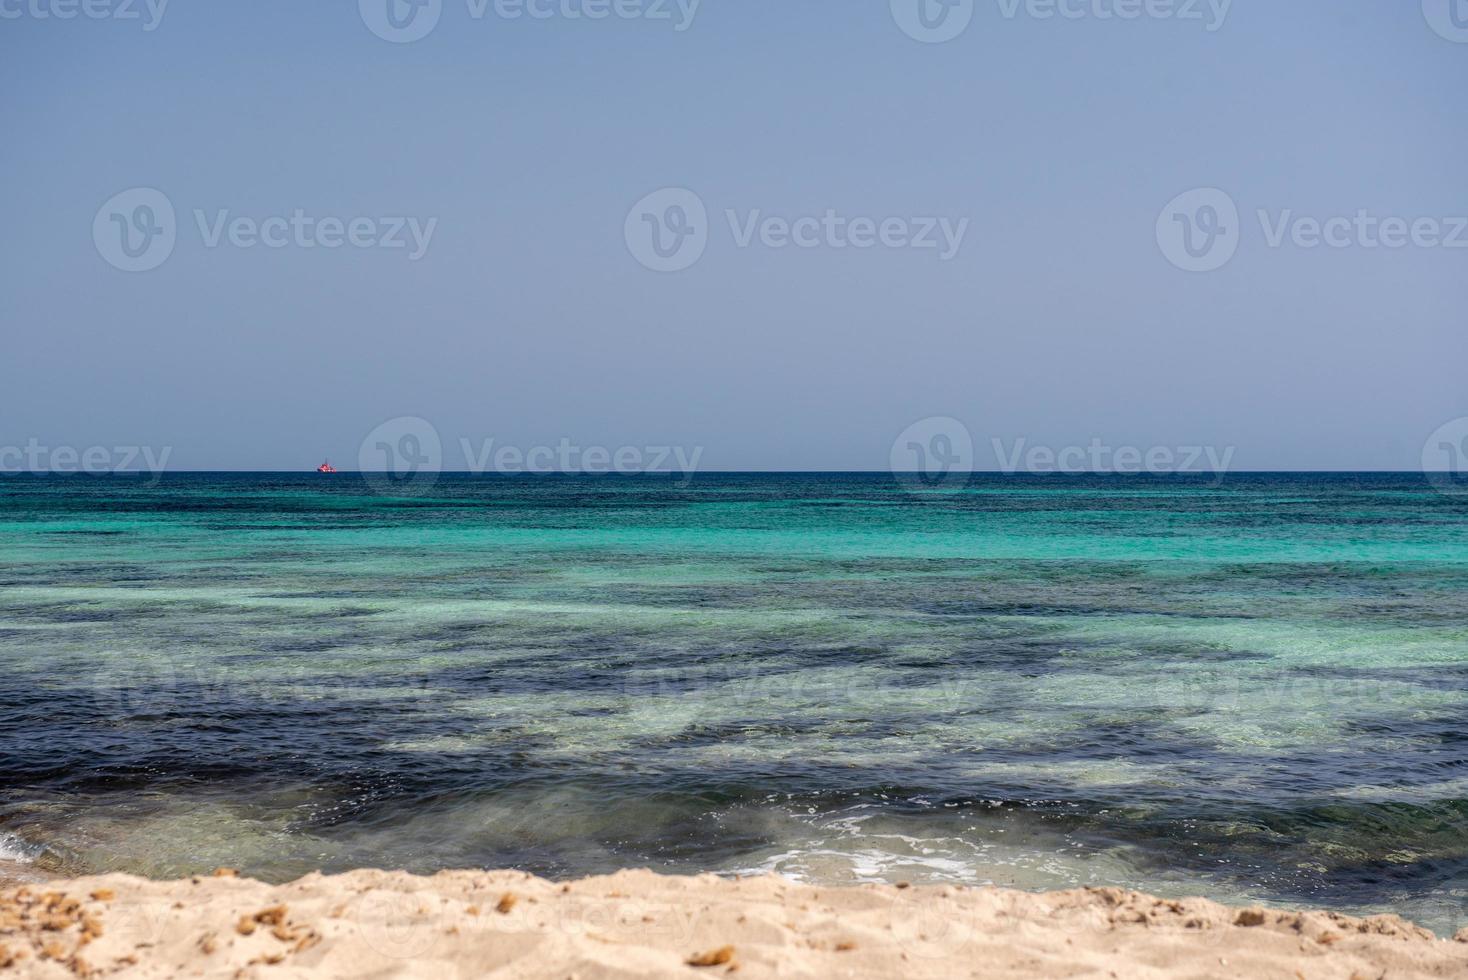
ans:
(641, 924)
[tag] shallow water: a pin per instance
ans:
(1255, 691)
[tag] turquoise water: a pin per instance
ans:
(1256, 691)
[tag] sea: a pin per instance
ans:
(1252, 688)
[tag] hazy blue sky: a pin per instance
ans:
(528, 319)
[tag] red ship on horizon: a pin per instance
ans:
(326, 467)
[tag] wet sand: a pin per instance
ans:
(14, 873)
(640, 924)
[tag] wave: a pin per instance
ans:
(13, 848)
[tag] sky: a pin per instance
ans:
(1016, 224)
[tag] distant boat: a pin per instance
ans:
(326, 467)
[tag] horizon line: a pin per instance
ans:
(740, 472)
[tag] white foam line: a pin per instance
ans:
(12, 848)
